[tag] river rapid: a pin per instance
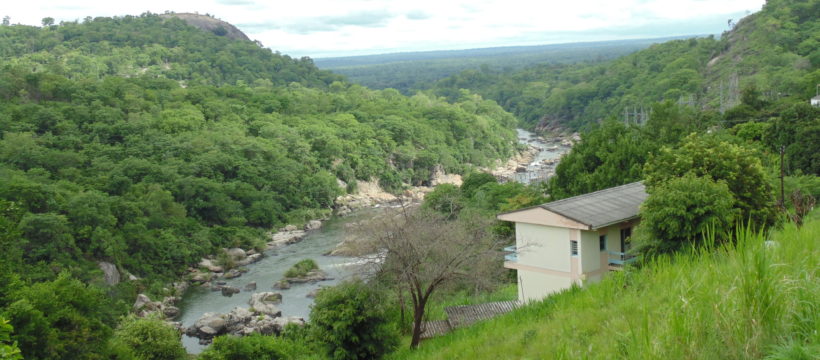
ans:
(199, 300)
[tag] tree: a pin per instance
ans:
(715, 156)
(255, 346)
(608, 156)
(8, 349)
(351, 321)
(48, 21)
(679, 211)
(422, 251)
(150, 339)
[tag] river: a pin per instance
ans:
(199, 300)
(542, 166)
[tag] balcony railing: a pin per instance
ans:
(511, 254)
(620, 258)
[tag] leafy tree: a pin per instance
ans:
(715, 156)
(678, 212)
(8, 349)
(608, 156)
(351, 321)
(150, 339)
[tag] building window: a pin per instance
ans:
(573, 247)
(602, 242)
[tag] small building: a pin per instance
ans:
(572, 241)
(815, 101)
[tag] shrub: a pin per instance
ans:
(301, 268)
(149, 339)
(352, 323)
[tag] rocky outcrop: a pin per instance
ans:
(265, 303)
(143, 307)
(229, 290)
(110, 273)
(313, 225)
(286, 236)
(239, 322)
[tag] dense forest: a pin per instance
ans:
(775, 51)
(148, 143)
(410, 72)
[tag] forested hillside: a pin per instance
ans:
(147, 143)
(409, 72)
(774, 52)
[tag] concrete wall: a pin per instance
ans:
(589, 251)
(546, 247)
(533, 286)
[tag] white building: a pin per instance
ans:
(572, 241)
(815, 101)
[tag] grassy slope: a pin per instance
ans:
(741, 302)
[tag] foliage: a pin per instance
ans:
(350, 321)
(717, 157)
(740, 300)
(679, 212)
(150, 339)
(255, 346)
(301, 268)
(8, 349)
(608, 156)
(63, 319)
(148, 143)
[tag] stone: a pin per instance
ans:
(208, 264)
(229, 291)
(111, 275)
(232, 273)
(313, 225)
(141, 302)
(264, 303)
(201, 277)
(249, 260)
(281, 285)
(250, 286)
(170, 312)
(289, 228)
(236, 254)
(207, 330)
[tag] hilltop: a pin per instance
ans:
(209, 23)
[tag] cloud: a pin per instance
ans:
(364, 19)
(235, 2)
(417, 15)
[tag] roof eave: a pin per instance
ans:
(597, 227)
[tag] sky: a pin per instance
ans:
(326, 28)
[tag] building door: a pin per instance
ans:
(625, 244)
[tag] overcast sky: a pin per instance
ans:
(321, 28)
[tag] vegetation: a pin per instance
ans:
(301, 268)
(408, 72)
(739, 300)
(149, 339)
(257, 347)
(351, 321)
(8, 349)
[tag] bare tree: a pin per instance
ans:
(423, 251)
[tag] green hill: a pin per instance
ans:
(146, 142)
(754, 300)
(774, 50)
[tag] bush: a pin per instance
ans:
(681, 210)
(149, 339)
(352, 323)
(255, 346)
(301, 268)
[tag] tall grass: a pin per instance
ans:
(751, 299)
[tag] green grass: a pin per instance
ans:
(743, 301)
(301, 268)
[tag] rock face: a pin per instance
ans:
(112, 276)
(265, 303)
(143, 307)
(207, 23)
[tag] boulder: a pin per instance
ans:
(110, 273)
(229, 291)
(232, 273)
(249, 260)
(281, 285)
(208, 264)
(311, 277)
(170, 312)
(289, 228)
(236, 253)
(200, 277)
(144, 302)
(313, 225)
(265, 303)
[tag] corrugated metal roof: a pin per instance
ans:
(602, 208)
